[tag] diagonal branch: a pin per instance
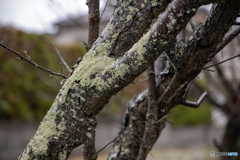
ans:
(104, 9)
(194, 104)
(228, 38)
(61, 58)
(31, 62)
(221, 62)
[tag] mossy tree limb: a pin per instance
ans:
(105, 70)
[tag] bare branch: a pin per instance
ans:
(194, 104)
(89, 147)
(229, 37)
(94, 19)
(107, 145)
(192, 25)
(104, 9)
(93, 33)
(222, 61)
(151, 116)
(60, 56)
(31, 62)
(188, 88)
(163, 118)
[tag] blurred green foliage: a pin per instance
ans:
(27, 92)
(182, 115)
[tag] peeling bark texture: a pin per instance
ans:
(195, 55)
(105, 70)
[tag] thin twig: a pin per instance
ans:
(209, 70)
(192, 25)
(222, 62)
(188, 88)
(60, 56)
(121, 132)
(194, 104)
(161, 119)
(31, 62)
(104, 10)
(107, 145)
(229, 37)
(222, 53)
(61, 68)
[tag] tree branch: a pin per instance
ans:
(61, 58)
(228, 38)
(94, 20)
(31, 62)
(93, 33)
(101, 74)
(151, 117)
(194, 104)
(221, 62)
(192, 25)
(104, 9)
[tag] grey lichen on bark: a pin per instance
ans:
(102, 73)
(194, 55)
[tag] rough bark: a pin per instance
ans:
(105, 70)
(150, 136)
(94, 19)
(195, 55)
(231, 138)
(93, 32)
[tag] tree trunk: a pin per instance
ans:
(231, 139)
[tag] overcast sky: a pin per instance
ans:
(38, 15)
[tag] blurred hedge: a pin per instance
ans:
(182, 115)
(27, 92)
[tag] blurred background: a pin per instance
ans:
(26, 93)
